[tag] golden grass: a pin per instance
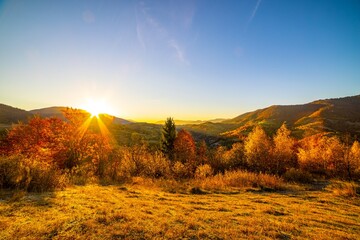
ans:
(241, 180)
(346, 189)
(144, 211)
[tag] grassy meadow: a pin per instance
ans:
(72, 180)
(148, 209)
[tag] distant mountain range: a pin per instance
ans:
(336, 116)
(9, 115)
(187, 122)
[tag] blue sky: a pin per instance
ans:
(187, 59)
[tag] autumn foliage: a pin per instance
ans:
(47, 153)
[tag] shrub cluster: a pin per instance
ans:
(17, 172)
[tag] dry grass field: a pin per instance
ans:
(149, 211)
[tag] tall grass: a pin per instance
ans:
(344, 189)
(241, 179)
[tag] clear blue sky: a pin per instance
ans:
(186, 59)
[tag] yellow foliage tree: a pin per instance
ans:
(322, 155)
(354, 160)
(284, 156)
(257, 150)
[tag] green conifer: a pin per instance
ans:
(168, 135)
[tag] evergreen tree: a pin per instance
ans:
(168, 136)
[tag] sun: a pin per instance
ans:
(96, 107)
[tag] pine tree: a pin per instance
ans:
(168, 136)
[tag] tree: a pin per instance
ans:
(202, 153)
(283, 154)
(64, 144)
(354, 160)
(322, 155)
(185, 150)
(257, 150)
(168, 136)
(39, 138)
(184, 147)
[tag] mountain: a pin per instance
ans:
(193, 122)
(113, 119)
(50, 112)
(336, 116)
(9, 115)
(339, 116)
(58, 112)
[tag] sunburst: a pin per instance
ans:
(96, 107)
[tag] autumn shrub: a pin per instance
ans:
(17, 172)
(217, 161)
(113, 167)
(11, 172)
(43, 177)
(127, 166)
(157, 165)
(203, 171)
(81, 174)
(297, 175)
(179, 171)
(153, 165)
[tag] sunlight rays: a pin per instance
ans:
(96, 107)
(84, 127)
(105, 131)
(94, 120)
(98, 110)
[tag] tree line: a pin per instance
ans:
(321, 155)
(47, 153)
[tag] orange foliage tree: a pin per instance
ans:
(64, 144)
(39, 138)
(84, 144)
(185, 150)
(202, 153)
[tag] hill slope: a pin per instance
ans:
(9, 115)
(50, 112)
(341, 115)
(338, 116)
(58, 112)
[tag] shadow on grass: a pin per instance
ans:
(23, 198)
